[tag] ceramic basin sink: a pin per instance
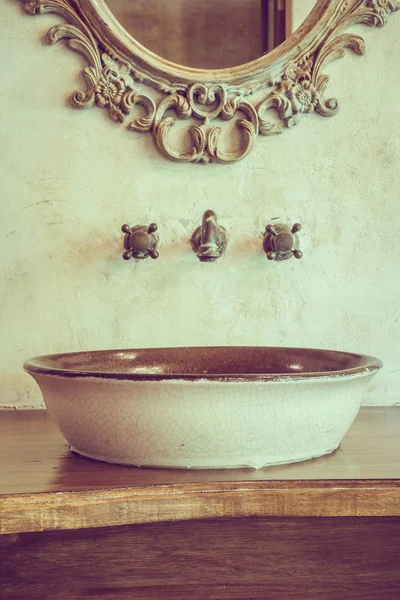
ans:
(207, 407)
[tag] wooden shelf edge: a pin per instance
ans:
(105, 508)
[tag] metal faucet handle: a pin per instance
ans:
(280, 241)
(140, 241)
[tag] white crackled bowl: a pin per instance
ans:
(216, 407)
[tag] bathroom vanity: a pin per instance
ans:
(74, 528)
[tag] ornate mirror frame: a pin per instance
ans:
(288, 80)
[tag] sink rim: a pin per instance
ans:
(41, 365)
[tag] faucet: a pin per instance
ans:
(209, 241)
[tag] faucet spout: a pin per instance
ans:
(208, 249)
(209, 241)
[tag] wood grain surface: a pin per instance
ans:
(258, 559)
(34, 457)
(43, 486)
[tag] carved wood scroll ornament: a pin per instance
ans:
(263, 97)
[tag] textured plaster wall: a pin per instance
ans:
(69, 179)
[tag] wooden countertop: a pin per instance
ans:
(43, 486)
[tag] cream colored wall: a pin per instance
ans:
(69, 179)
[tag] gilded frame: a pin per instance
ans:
(289, 81)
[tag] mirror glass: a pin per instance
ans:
(210, 34)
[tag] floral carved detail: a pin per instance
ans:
(109, 90)
(297, 85)
(381, 10)
(296, 95)
(110, 87)
(116, 83)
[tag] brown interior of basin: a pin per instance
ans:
(195, 363)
